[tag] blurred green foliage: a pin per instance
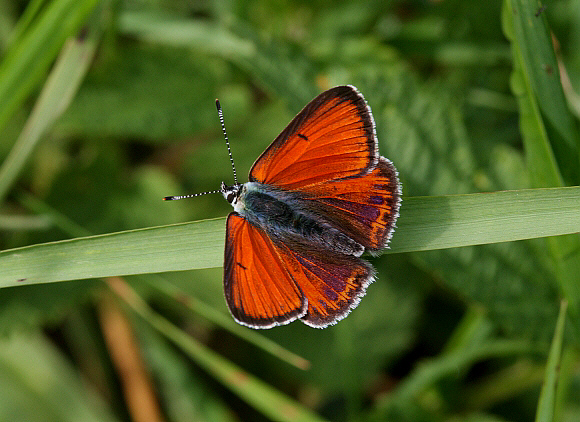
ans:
(467, 97)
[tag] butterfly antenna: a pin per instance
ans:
(193, 195)
(221, 116)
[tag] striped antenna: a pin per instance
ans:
(193, 195)
(221, 116)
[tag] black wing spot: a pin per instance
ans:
(302, 136)
(240, 264)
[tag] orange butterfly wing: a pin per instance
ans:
(329, 155)
(333, 137)
(332, 283)
(258, 286)
(271, 283)
(364, 208)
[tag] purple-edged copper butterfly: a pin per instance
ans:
(317, 198)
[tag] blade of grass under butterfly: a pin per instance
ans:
(426, 223)
(255, 392)
(547, 402)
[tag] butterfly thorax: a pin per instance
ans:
(284, 215)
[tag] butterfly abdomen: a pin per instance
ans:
(279, 214)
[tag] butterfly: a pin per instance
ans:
(317, 198)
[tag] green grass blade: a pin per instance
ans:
(428, 373)
(540, 158)
(39, 383)
(158, 249)
(536, 60)
(31, 11)
(28, 59)
(56, 95)
(439, 222)
(542, 105)
(426, 223)
(225, 321)
(546, 404)
(255, 392)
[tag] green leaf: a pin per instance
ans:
(56, 95)
(277, 68)
(535, 62)
(25, 63)
(540, 90)
(38, 383)
(153, 81)
(547, 402)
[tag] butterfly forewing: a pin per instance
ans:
(331, 138)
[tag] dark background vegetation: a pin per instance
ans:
(451, 335)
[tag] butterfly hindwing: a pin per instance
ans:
(332, 283)
(364, 208)
(258, 286)
(270, 283)
(333, 137)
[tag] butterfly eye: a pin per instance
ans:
(231, 193)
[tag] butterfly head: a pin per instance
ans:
(232, 195)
